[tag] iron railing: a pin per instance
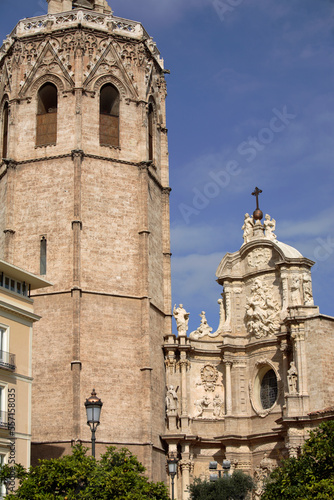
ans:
(7, 360)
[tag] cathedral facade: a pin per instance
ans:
(248, 393)
(84, 196)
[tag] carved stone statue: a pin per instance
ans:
(270, 226)
(217, 406)
(261, 473)
(182, 319)
(307, 289)
(262, 311)
(292, 378)
(203, 329)
(295, 292)
(200, 405)
(248, 228)
(171, 401)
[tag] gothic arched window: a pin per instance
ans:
(268, 389)
(46, 130)
(5, 130)
(109, 116)
(150, 131)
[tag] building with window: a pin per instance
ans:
(250, 391)
(16, 322)
(84, 191)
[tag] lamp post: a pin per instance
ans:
(172, 469)
(93, 410)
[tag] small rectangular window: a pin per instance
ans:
(7, 282)
(43, 255)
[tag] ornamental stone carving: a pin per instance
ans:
(209, 377)
(260, 475)
(259, 257)
(200, 404)
(307, 290)
(203, 329)
(262, 310)
(248, 228)
(295, 292)
(217, 406)
(292, 378)
(269, 227)
(182, 319)
(171, 401)
(186, 465)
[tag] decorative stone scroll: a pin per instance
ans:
(262, 310)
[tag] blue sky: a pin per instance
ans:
(250, 103)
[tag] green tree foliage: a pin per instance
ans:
(234, 487)
(117, 475)
(309, 476)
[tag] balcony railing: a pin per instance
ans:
(7, 360)
(3, 420)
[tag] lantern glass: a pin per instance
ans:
(172, 466)
(93, 413)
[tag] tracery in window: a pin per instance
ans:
(268, 389)
(46, 130)
(109, 116)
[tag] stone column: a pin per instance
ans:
(167, 261)
(10, 200)
(285, 293)
(186, 466)
(284, 348)
(298, 335)
(228, 365)
(77, 157)
(184, 363)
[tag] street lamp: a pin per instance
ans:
(93, 410)
(213, 466)
(172, 469)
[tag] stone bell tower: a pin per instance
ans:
(85, 203)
